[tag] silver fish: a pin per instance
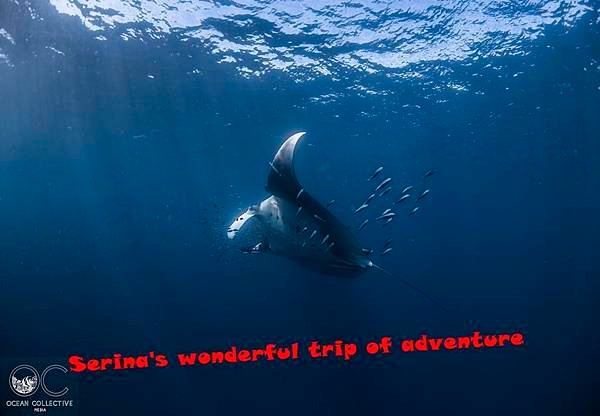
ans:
(298, 211)
(387, 250)
(330, 203)
(387, 243)
(386, 211)
(385, 191)
(363, 225)
(329, 246)
(415, 209)
(367, 251)
(377, 172)
(408, 188)
(304, 229)
(325, 239)
(312, 235)
(299, 194)
(386, 216)
(425, 192)
(429, 173)
(383, 183)
(402, 198)
(388, 221)
(359, 209)
(318, 218)
(369, 198)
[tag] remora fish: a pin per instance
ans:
(383, 183)
(359, 209)
(385, 191)
(425, 192)
(402, 198)
(386, 216)
(369, 199)
(377, 171)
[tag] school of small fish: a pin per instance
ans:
(387, 215)
(382, 189)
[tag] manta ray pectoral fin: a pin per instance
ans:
(283, 184)
(282, 179)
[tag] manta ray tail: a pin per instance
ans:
(413, 287)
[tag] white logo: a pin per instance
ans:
(24, 380)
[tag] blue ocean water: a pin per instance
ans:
(133, 132)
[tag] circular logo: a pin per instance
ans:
(24, 380)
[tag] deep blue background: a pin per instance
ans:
(116, 190)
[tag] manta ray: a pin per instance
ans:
(293, 224)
